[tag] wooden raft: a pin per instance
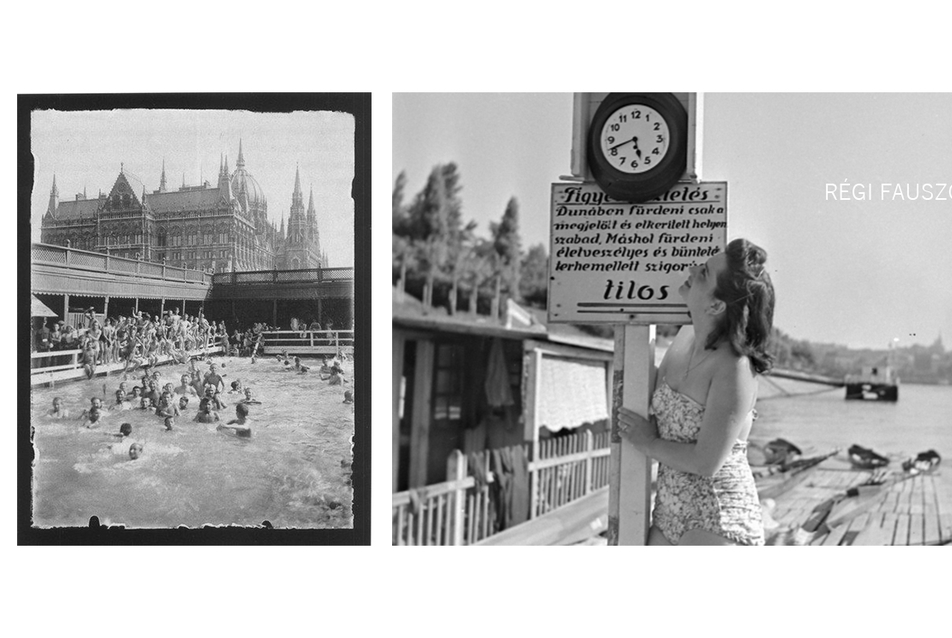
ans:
(914, 511)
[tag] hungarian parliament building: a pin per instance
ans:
(220, 227)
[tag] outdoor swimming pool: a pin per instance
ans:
(294, 472)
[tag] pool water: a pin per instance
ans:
(294, 472)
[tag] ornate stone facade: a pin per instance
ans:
(221, 227)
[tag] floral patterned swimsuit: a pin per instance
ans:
(725, 504)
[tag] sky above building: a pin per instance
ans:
(848, 193)
(86, 149)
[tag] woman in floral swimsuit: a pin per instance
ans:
(703, 405)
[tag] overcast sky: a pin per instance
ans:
(86, 148)
(857, 272)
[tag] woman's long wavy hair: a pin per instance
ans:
(748, 292)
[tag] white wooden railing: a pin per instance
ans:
(460, 512)
(310, 341)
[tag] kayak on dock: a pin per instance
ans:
(865, 458)
(922, 462)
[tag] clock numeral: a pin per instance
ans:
(660, 139)
(647, 160)
(655, 151)
(657, 126)
(634, 163)
(614, 152)
(611, 139)
(622, 162)
(636, 115)
(615, 127)
(622, 118)
(648, 117)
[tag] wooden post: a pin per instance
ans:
(66, 308)
(274, 313)
(629, 492)
(137, 305)
(105, 310)
(589, 465)
(531, 431)
(456, 471)
(399, 342)
(420, 420)
(473, 293)
(161, 307)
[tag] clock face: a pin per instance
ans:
(635, 138)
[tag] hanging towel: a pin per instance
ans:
(498, 393)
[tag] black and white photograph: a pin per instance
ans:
(671, 319)
(192, 312)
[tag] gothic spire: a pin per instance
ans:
(241, 157)
(54, 198)
(162, 180)
(310, 206)
(297, 181)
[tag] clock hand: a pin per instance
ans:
(637, 150)
(633, 139)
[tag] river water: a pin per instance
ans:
(920, 420)
(293, 472)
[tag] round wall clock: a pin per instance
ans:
(637, 144)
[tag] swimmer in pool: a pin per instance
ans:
(182, 404)
(145, 403)
(169, 422)
(186, 389)
(249, 399)
(93, 420)
(135, 451)
(214, 379)
(336, 377)
(166, 406)
(58, 411)
(297, 363)
(238, 425)
(95, 404)
(136, 395)
(205, 413)
(121, 402)
(236, 387)
(124, 431)
(348, 396)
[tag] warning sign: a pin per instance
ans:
(617, 262)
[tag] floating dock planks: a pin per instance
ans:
(914, 511)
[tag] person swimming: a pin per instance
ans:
(135, 451)
(169, 422)
(93, 420)
(249, 399)
(236, 387)
(239, 425)
(182, 404)
(121, 402)
(58, 411)
(205, 413)
(348, 396)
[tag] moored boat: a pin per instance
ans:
(876, 383)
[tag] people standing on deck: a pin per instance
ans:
(703, 405)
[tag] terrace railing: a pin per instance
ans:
(316, 275)
(101, 262)
(461, 512)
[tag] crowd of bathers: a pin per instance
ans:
(140, 340)
(169, 402)
(207, 390)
